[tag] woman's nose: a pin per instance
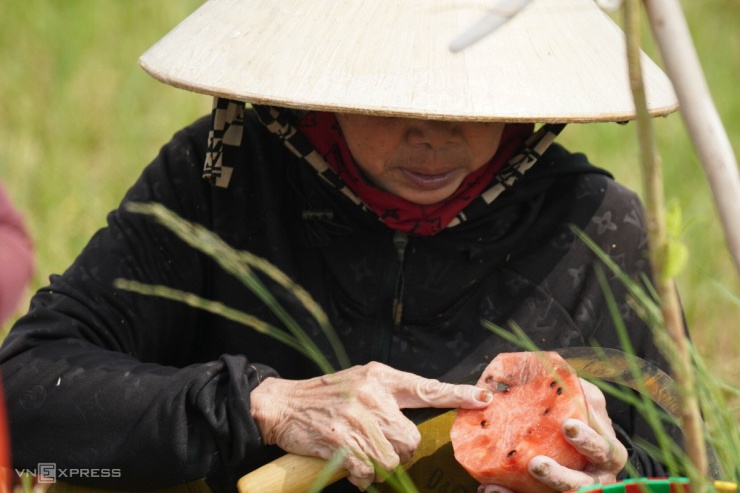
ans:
(434, 134)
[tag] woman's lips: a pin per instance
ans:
(427, 181)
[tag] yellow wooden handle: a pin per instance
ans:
(290, 473)
(432, 468)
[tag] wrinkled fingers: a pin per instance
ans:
(367, 435)
(360, 469)
(422, 392)
(492, 488)
(605, 453)
(413, 391)
(556, 476)
(402, 434)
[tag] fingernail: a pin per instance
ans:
(542, 470)
(571, 431)
(485, 396)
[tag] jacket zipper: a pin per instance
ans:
(400, 240)
(383, 336)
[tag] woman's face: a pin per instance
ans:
(422, 161)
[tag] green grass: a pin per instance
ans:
(709, 284)
(79, 120)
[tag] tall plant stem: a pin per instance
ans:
(656, 228)
(708, 135)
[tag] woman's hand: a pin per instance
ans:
(595, 440)
(358, 409)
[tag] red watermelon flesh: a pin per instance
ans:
(496, 443)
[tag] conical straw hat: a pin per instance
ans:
(554, 61)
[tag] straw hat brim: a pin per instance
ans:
(555, 61)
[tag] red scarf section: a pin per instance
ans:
(324, 133)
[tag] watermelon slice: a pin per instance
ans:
(534, 393)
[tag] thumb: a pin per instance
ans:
(492, 488)
(424, 392)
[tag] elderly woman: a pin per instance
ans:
(405, 187)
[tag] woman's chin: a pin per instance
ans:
(425, 197)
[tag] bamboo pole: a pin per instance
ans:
(705, 128)
(681, 366)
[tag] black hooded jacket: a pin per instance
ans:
(99, 377)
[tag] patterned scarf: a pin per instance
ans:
(316, 139)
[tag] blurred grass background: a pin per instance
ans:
(79, 120)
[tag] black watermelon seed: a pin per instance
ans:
(511, 453)
(502, 387)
